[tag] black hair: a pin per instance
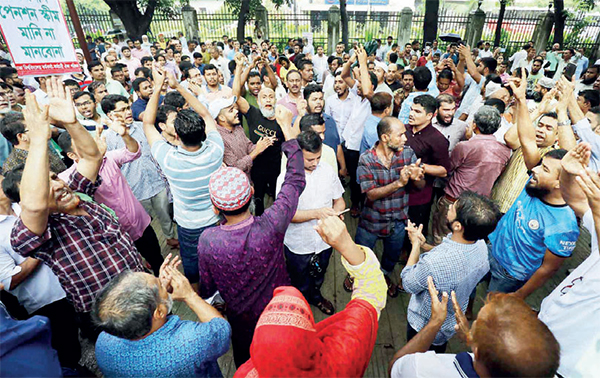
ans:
(145, 70)
(310, 120)
(175, 99)
(310, 89)
(11, 125)
(303, 62)
(496, 103)
(162, 114)
(146, 59)
(197, 55)
(93, 64)
(373, 78)
(408, 72)
(557, 154)
(137, 82)
(310, 141)
(185, 73)
(239, 211)
(592, 96)
(428, 102)
(6, 72)
(70, 83)
(477, 214)
(11, 183)
(380, 101)
(185, 64)
(490, 63)
(125, 48)
(79, 94)
(109, 102)
(115, 69)
(422, 78)
(64, 141)
(393, 57)
(209, 67)
(232, 65)
(445, 74)
(190, 128)
(93, 86)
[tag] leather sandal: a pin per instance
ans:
(326, 307)
(348, 283)
(392, 288)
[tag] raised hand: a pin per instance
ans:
(361, 55)
(417, 172)
(36, 118)
(302, 106)
(284, 118)
(415, 234)
(333, 232)
(264, 143)
(163, 276)
(465, 52)
(589, 182)
(117, 124)
(519, 91)
(439, 309)
(462, 324)
(173, 83)
(576, 160)
(100, 139)
(158, 75)
(61, 109)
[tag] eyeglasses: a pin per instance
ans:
(80, 104)
(126, 109)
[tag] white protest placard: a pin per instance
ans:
(308, 36)
(38, 38)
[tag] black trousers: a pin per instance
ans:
(264, 183)
(65, 335)
(147, 245)
(86, 326)
(352, 157)
(411, 332)
(305, 276)
(418, 214)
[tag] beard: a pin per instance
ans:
(588, 81)
(536, 192)
(442, 122)
(267, 113)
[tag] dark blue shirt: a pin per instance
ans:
(139, 106)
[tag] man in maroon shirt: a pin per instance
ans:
(432, 148)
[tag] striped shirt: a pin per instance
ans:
(378, 216)
(512, 181)
(188, 174)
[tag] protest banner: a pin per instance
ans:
(38, 38)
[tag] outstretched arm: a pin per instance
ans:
(573, 164)
(152, 135)
(465, 54)
(194, 103)
(365, 79)
(35, 185)
(525, 129)
(346, 69)
(236, 87)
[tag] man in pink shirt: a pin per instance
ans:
(475, 165)
(131, 62)
(290, 101)
(138, 52)
(115, 193)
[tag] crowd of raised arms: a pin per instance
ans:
(472, 167)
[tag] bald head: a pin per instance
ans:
(510, 341)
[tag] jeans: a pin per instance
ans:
(147, 245)
(161, 208)
(351, 158)
(188, 249)
(264, 183)
(501, 281)
(304, 276)
(392, 244)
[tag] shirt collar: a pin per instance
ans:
(463, 363)
(15, 207)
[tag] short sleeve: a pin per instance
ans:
(338, 188)
(365, 178)
(159, 151)
(562, 243)
(8, 268)
(405, 367)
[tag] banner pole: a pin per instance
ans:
(79, 31)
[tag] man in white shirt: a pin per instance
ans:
(306, 255)
(221, 63)
(507, 340)
(485, 52)
(350, 108)
(320, 64)
(571, 310)
(519, 56)
(588, 79)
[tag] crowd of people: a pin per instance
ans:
(470, 166)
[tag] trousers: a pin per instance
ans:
(160, 207)
(392, 244)
(188, 249)
(307, 272)
(351, 158)
(147, 245)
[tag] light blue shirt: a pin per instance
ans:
(188, 174)
(142, 174)
(370, 133)
(409, 101)
(474, 90)
(586, 134)
(180, 348)
(5, 148)
(454, 267)
(530, 227)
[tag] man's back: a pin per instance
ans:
(179, 348)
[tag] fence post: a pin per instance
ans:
(333, 28)
(190, 22)
(475, 27)
(262, 22)
(542, 31)
(404, 26)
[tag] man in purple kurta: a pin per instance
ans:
(243, 258)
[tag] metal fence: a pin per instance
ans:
(581, 30)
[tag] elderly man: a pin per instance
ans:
(507, 340)
(82, 242)
(141, 339)
(261, 123)
(243, 258)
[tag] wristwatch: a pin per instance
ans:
(565, 123)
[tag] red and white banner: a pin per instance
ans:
(38, 38)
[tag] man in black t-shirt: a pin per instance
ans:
(261, 122)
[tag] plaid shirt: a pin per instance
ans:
(378, 216)
(85, 252)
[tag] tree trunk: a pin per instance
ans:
(559, 21)
(244, 10)
(431, 20)
(498, 33)
(344, 19)
(136, 23)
